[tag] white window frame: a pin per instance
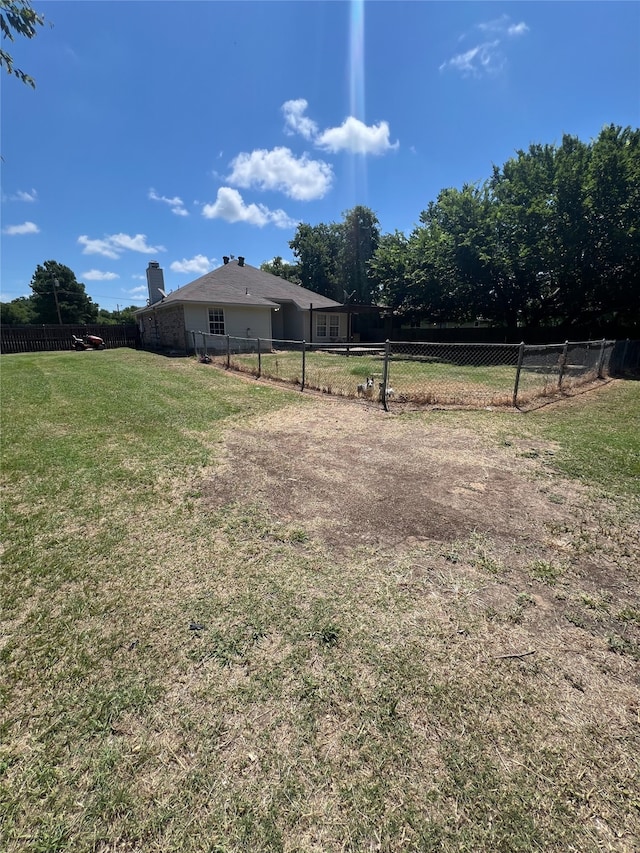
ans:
(321, 326)
(216, 321)
(327, 325)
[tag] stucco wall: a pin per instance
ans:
(237, 320)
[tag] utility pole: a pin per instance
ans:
(56, 285)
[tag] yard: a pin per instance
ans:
(239, 618)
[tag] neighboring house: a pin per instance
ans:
(239, 300)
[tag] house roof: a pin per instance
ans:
(235, 284)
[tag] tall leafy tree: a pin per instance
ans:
(455, 253)
(317, 249)
(17, 18)
(612, 202)
(333, 258)
(360, 233)
(568, 269)
(522, 213)
(55, 287)
(389, 272)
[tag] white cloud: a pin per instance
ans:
(25, 228)
(229, 205)
(24, 195)
(198, 264)
(139, 291)
(486, 57)
(97, 247)
(296, 121)
(503, 26)
(176, 204)
(495, 25)
(135, 244)
(298, 177)
(98, 275)
(357, 137)
(114, 245)
(352, 135)
(482, 58)
(517, 29)
(139, 277)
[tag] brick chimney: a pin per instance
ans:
(155, 282)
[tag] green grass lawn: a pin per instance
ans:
(178, 678)
(599, 438)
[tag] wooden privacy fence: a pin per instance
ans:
(51, 337)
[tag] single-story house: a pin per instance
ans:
(239, 300)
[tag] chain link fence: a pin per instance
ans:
(452, 374)
(473, 375)
(546, 371)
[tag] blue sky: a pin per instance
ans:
(184, 131)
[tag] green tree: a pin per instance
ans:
(118, 317)
(282, 269)
(360, 236)
(17, 18)
(454, 270)
(522, 213)
(18, 312)
(612, 202)
(127, 314)
(55, 287)
(317, 249)
(389, 271)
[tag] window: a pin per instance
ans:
(216, 321)
(327, 325)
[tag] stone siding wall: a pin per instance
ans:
(164, 328)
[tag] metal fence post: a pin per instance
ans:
(518, 369)
(228, 352)
(623, 362)
(304, 364)
(193, 338)
(259, 360)
(385, 377)
(601, 358)
(204, 344)
(563, 363)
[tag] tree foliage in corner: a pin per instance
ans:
(551, 238)
(17, 18)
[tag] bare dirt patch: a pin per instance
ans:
(359, 482)
(353, 475)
